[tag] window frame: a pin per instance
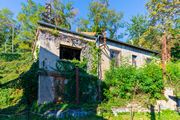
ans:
(117, 58)
(71, 48)
(134, 60)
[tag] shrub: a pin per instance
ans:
(173, 71)
(152, 82)
(126, 81)
(173, 76)
(10, 97)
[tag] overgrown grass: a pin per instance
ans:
(163, 115)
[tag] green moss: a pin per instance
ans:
(52, 31)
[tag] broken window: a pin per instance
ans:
(69, 53)
(115, 56)
(148, 60)
(134, 60)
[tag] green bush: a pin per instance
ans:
(151, 81)
(9, 56)
(9, 97)
(173, 76)
(173, 71)
(126, 81)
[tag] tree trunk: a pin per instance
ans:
(164, 55)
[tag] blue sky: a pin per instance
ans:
(128, 7)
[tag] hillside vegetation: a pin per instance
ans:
(12, 68)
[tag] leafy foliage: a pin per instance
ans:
(95, 54)
(7, 26)
(164, 115)
(164, 14)
(139, 24)
(18, 80)
(28, 18)
(63, 13)
(173, 75)
(101, 18)
(12, 65)
(10, 97)
(9, 56)
(125, 81)
(142, 33)
(87, 82)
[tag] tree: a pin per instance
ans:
(101, 18)
(136, 28)
(7, 25)
(139, 24)
(28, 18)
(164, 15)
(32, 13)
(63, 13)
(176, 47)
(142, 33)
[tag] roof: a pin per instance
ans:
(93, 37)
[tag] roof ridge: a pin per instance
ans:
(93, 37)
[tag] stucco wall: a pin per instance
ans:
(50, 47)
(125, 55)
(45, 89)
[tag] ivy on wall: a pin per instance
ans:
(87, 82)
(95, 53)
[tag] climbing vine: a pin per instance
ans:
(95, 53)
(87, 82)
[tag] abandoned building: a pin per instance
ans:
(64, 44)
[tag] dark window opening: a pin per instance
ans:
(114, 55)
(69, 53)
(148, 60)
(134, 61)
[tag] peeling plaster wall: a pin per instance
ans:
(45, 90)
(49, 54)
(50, 47)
